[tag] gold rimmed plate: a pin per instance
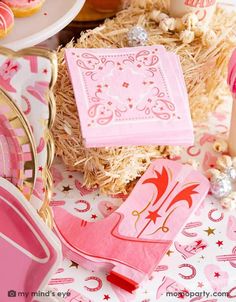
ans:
(28, 77)
(17, 147)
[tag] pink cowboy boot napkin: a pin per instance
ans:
(131, 242)
(130, 96)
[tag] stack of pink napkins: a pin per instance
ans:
(130, 96)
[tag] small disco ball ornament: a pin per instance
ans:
(221, 186)
(231, 172)
(137, 36)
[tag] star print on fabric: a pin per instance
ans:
(93, 216)
(73, 264)
(200, 284)
(45, 71)
(169, 253)
(153, 216)
(66, 188)
(40, 168)
(106, 297)
(210, 231)
(219, 243)
(216, 275)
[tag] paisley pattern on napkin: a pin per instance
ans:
(128, 92)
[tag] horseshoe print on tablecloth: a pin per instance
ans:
(191, 267)
(94, 289)
(84, 202)
(221, 217)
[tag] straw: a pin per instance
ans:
(115, 170)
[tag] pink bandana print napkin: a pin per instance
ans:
(130, 96)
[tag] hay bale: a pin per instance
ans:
(115, 169)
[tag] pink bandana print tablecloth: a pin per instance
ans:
(192, 264)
